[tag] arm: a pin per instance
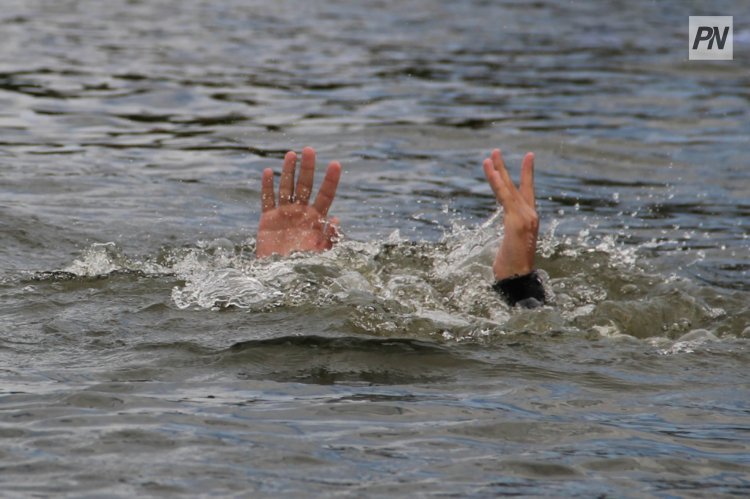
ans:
(514, 262)
(293, 224)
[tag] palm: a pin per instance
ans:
(293, 224)
(292, 228)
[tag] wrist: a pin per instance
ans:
(508, 271)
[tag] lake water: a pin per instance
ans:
(144, 351)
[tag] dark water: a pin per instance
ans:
(143, 350)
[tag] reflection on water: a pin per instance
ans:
(144, 351)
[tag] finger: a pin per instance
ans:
(306, 175)
(527, 179)
(286, 184)
(267, 201)
(493, 177)
(328, 188)
(497, 161)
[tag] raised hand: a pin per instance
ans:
(515, 256)
(293, 224)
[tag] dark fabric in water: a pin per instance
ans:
(526, 290)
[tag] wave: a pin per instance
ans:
(402, 288)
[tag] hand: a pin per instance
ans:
(515, 256)
(293, 224)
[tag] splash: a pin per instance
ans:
(105, 258)
(431, 290)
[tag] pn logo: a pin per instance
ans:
(710, 38)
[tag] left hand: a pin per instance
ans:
(293, 224)
(515, 256)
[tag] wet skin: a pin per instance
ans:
(289, 223)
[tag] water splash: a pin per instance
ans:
(436, 290)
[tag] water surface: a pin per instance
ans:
(144, 351)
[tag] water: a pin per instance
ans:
(145, 352)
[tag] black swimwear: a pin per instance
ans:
(524, 290)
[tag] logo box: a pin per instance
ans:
(710, 38)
